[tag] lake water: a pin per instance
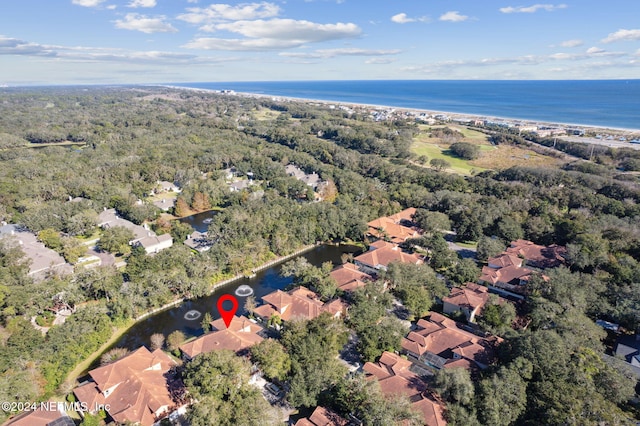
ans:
(199, 221)
(264, 282)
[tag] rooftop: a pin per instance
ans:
(395, 378)
(135, 387)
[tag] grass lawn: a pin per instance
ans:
(432, 151)
(491, 157)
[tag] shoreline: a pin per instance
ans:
(409, 109)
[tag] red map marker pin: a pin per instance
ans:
(227, 316)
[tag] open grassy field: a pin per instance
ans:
(491, 157)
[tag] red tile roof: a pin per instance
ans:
(504, 260)
(536, 255)
(395, 378)
(387, 228)
(241, 335)
(322, 417)
(50, 414)
(472, 296)
(349, 278)
(441, 336)
(134, 387)
(297, 303)
(383, 256)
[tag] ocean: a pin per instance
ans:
(599, 103)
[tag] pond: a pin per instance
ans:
(188, 315)
(199, 221)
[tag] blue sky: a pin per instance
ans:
(147, 41)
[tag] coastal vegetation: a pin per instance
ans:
(553, 371)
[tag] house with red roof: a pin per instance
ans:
(133, 389)
(299, 302)
(537, 256)
(322, 417)
(438, 342)
(383, 253)
(469, 300)
(395, 377)
(349, 278)
(238, 337)
(46, 414)
(396, 228)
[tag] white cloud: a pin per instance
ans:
(621, 35)
(14, 46)
(347, 51)
(532, 9)
(142, 3)
(378, 61)
(79, 54)
(212, 43)
(595, 50)
(112, 7)
(297, 32)
(453, 16)
(88, 3)
(226, 12)
(145, 24)
(274, 34)
(572, 43)
(402, 18)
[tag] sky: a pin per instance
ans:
(164, 41)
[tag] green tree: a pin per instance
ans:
(72, 249)
(174, 340)
(464, 270)
(384, 336)
(206, 322)
(465, 150)
(272, 358)
(497, 317)
(439, 164)
(489, 247)
(51, 238)
(502, 397)
(116, 240)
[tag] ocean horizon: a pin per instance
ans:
(598, 103)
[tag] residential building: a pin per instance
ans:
(164, 186)
(238, 337)
(469, 300)
(374, 261)
(108, 218)
(511, 280)
(538, 256)
(143, 236)
(349, 278)
(322, 417)
(41, 259)
(298, 303)
(504, 260)
(50, 413)
(155, 243)
(198, 241)
(310, 179)
(395, 377)
(133, 389)
(396, 228)
(438, 342)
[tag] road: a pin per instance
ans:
(614, 143)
